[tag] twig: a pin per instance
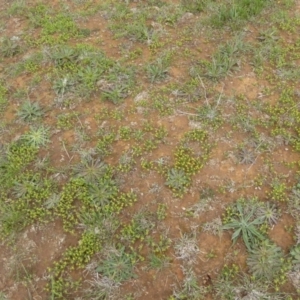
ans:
(70, 158)
(205, 94)
(79, 121)
(186, 113)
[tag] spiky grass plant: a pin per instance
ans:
(3, 296)
(37, 136)
(158, 262)
(90, 169)
(269, 212)
(157, 70)
(102, 191)
(297, 233)
(236, 12)
(294, 204)
(21, 187)
(30, 111)
(9, 48)
(246, 156)
(295, 253)
(194, 6)
(245, 225)
(265, 260)
(178, 181)
(117, 266)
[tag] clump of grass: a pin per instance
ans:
(37, 136)
(223, 62)
(30, 111)
(117, 265)
(9, 48)
(270, 212)
(3, 97)
(178, 181)
(265, 260)
(194, 6)
(245, 225)
(246, 155)
(157, 70)
(90, 169)
(232, 13)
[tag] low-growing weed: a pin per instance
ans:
(189, 288)
(9, 48)
(265, 260)
(178, 181)
(118, 265)
(37, 136)
(157, 70)
(30, 111)
(232, 13)
(245, 225)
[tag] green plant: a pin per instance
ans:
(90, 169)
(245, 225)
(104, 143)
(210, 115)
(17, 8)
(279, 190)
(37, 136)
(178, 181)
(236, 12)
(139, 228)
(66, 121)
(3, 296)
(269, 212)
(157, 70)
(225, 59)
(117, 265)
(193, 6)
(3, 97)
(102, 191)
(158, 262)
(9, 48)
(64, 56)
(126, 162)
(265, 260)
(30, 111)
(137, 30)
(12, 219)
(294, 204)
(229, 272)
(62, 85)
(115, 93)
(88, 76)
(161, 211)
(295, 253)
